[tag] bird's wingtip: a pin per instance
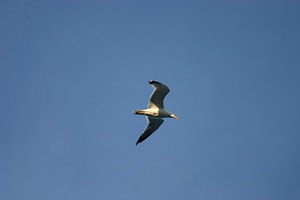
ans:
(139, 140)
(152, 81)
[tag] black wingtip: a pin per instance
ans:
(152, 81)
(138, 141)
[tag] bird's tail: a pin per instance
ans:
(138, 112)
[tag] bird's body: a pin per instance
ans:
(155, 111)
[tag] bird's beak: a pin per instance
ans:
(173, 116)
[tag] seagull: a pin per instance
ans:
(155, 110)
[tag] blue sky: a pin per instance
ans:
(72, 72)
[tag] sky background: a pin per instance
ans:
(72, 72)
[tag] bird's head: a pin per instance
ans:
(173, 116)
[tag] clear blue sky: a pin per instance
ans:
(73, 71)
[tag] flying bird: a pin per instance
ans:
(155, 110)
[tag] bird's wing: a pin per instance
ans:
(158, 94)
(153, 124)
